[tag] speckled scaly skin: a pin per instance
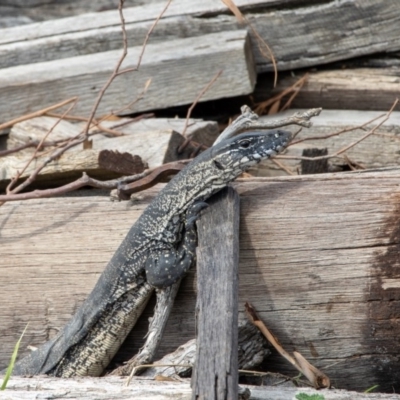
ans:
(157, 251)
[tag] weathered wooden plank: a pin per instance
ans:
(176, 69)
(204, 132)
(216, 368)
(97, 163)
(36, 129)
(318, 260)
(376, 151)
(113, 388)
(300, 35)
(154, 139)
(345, 89)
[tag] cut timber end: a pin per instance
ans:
(179, 69)
(216, 368)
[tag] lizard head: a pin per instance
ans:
(235, 155)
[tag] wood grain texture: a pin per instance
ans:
(113, 388)
(200, 131)
(176, 69)
(377, 151)
(99, 164)
(216, 369)
(318, 260)
(346, 89)
(299, 34)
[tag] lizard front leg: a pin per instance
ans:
(166, 266)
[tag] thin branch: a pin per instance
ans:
(344, 149)
(117, 70)
(37, 113)
(155, 176)
(125, 185)
(345, 130)
(85, 180)
(149, 32)
(313, 374)
(260, 41)
(34, 173)
(196, 100)
(32, 143)
(282, 166)
(294, 89)
(248, 120)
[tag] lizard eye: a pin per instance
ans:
(244, 144)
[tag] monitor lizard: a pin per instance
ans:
(157, 251)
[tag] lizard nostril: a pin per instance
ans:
(218, 164)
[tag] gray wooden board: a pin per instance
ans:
(114, 388)
(216, 368)
(377, 151)
(176, 68)
(204, 132)
(346, 89)
(299, 34)
(318, 260)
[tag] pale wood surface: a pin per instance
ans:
(204, 132)
(318, 258)
(299, 34)
(216, 368)
(179, 69)
(155, 140)
(37, 129)
(346, 89)
(70, 166)
(376, 151)
(113, 388)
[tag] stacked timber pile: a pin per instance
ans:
(318, 253)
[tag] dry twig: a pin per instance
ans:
(157, 175)
(81, 138)
(197, 99)
(293, 90)
(34, 173)
(39, 113)
(248, 120)
(344, 149)
(189, 112)
(313, 374)
(268, 54)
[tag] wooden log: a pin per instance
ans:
(376, 151)
(109, 157)
(344, 89)
(154, 140)
(251, 345)
(99, 164)
(216, 367)
(300, 35)
(36, 129)
(114, 388)
(204, 132)
(318, 257)
(176, 69)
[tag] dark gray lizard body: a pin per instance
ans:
(157, 251)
